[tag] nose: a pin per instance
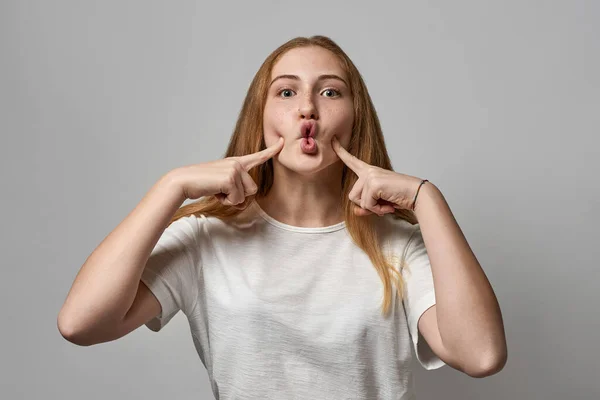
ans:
(307, 109)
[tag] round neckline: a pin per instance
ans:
(292, 228)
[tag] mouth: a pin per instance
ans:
(308, 129)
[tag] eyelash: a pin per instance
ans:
(337, 92)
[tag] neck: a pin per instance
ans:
(312, 200)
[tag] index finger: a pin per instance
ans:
(351, 161)
(250, 161)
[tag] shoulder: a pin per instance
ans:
(398, 237)
(210, 226)
(393, 228)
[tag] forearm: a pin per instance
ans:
(106, 285)
(468, 314)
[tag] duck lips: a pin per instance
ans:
(308, 145)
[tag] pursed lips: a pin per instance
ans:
(308, 129)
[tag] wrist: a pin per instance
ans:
(427, 192)
(171, 182)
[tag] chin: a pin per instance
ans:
(297, 161)
(305, 170)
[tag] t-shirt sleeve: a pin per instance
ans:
(419, 296)
(172, 270)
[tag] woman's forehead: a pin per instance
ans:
(307, 62)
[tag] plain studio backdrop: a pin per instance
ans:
(497, 103)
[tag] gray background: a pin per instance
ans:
(497, 103)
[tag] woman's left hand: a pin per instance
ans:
(377, 190)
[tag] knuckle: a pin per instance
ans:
(230, 179)
(237, 164)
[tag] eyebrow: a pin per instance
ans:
(320, 78)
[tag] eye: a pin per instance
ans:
(331, 93)
(285, 93)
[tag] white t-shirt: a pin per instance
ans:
(284, 312)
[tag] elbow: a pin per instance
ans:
(488, 366)
(69, 331)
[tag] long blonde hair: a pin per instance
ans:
(366, 143)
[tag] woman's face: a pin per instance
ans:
(309, 95)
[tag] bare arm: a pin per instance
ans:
(107, 299)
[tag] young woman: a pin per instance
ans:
(308, 268)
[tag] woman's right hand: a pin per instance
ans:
(227, 179)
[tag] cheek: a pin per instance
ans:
(274, 120)
(341, 118)
(274, 124)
